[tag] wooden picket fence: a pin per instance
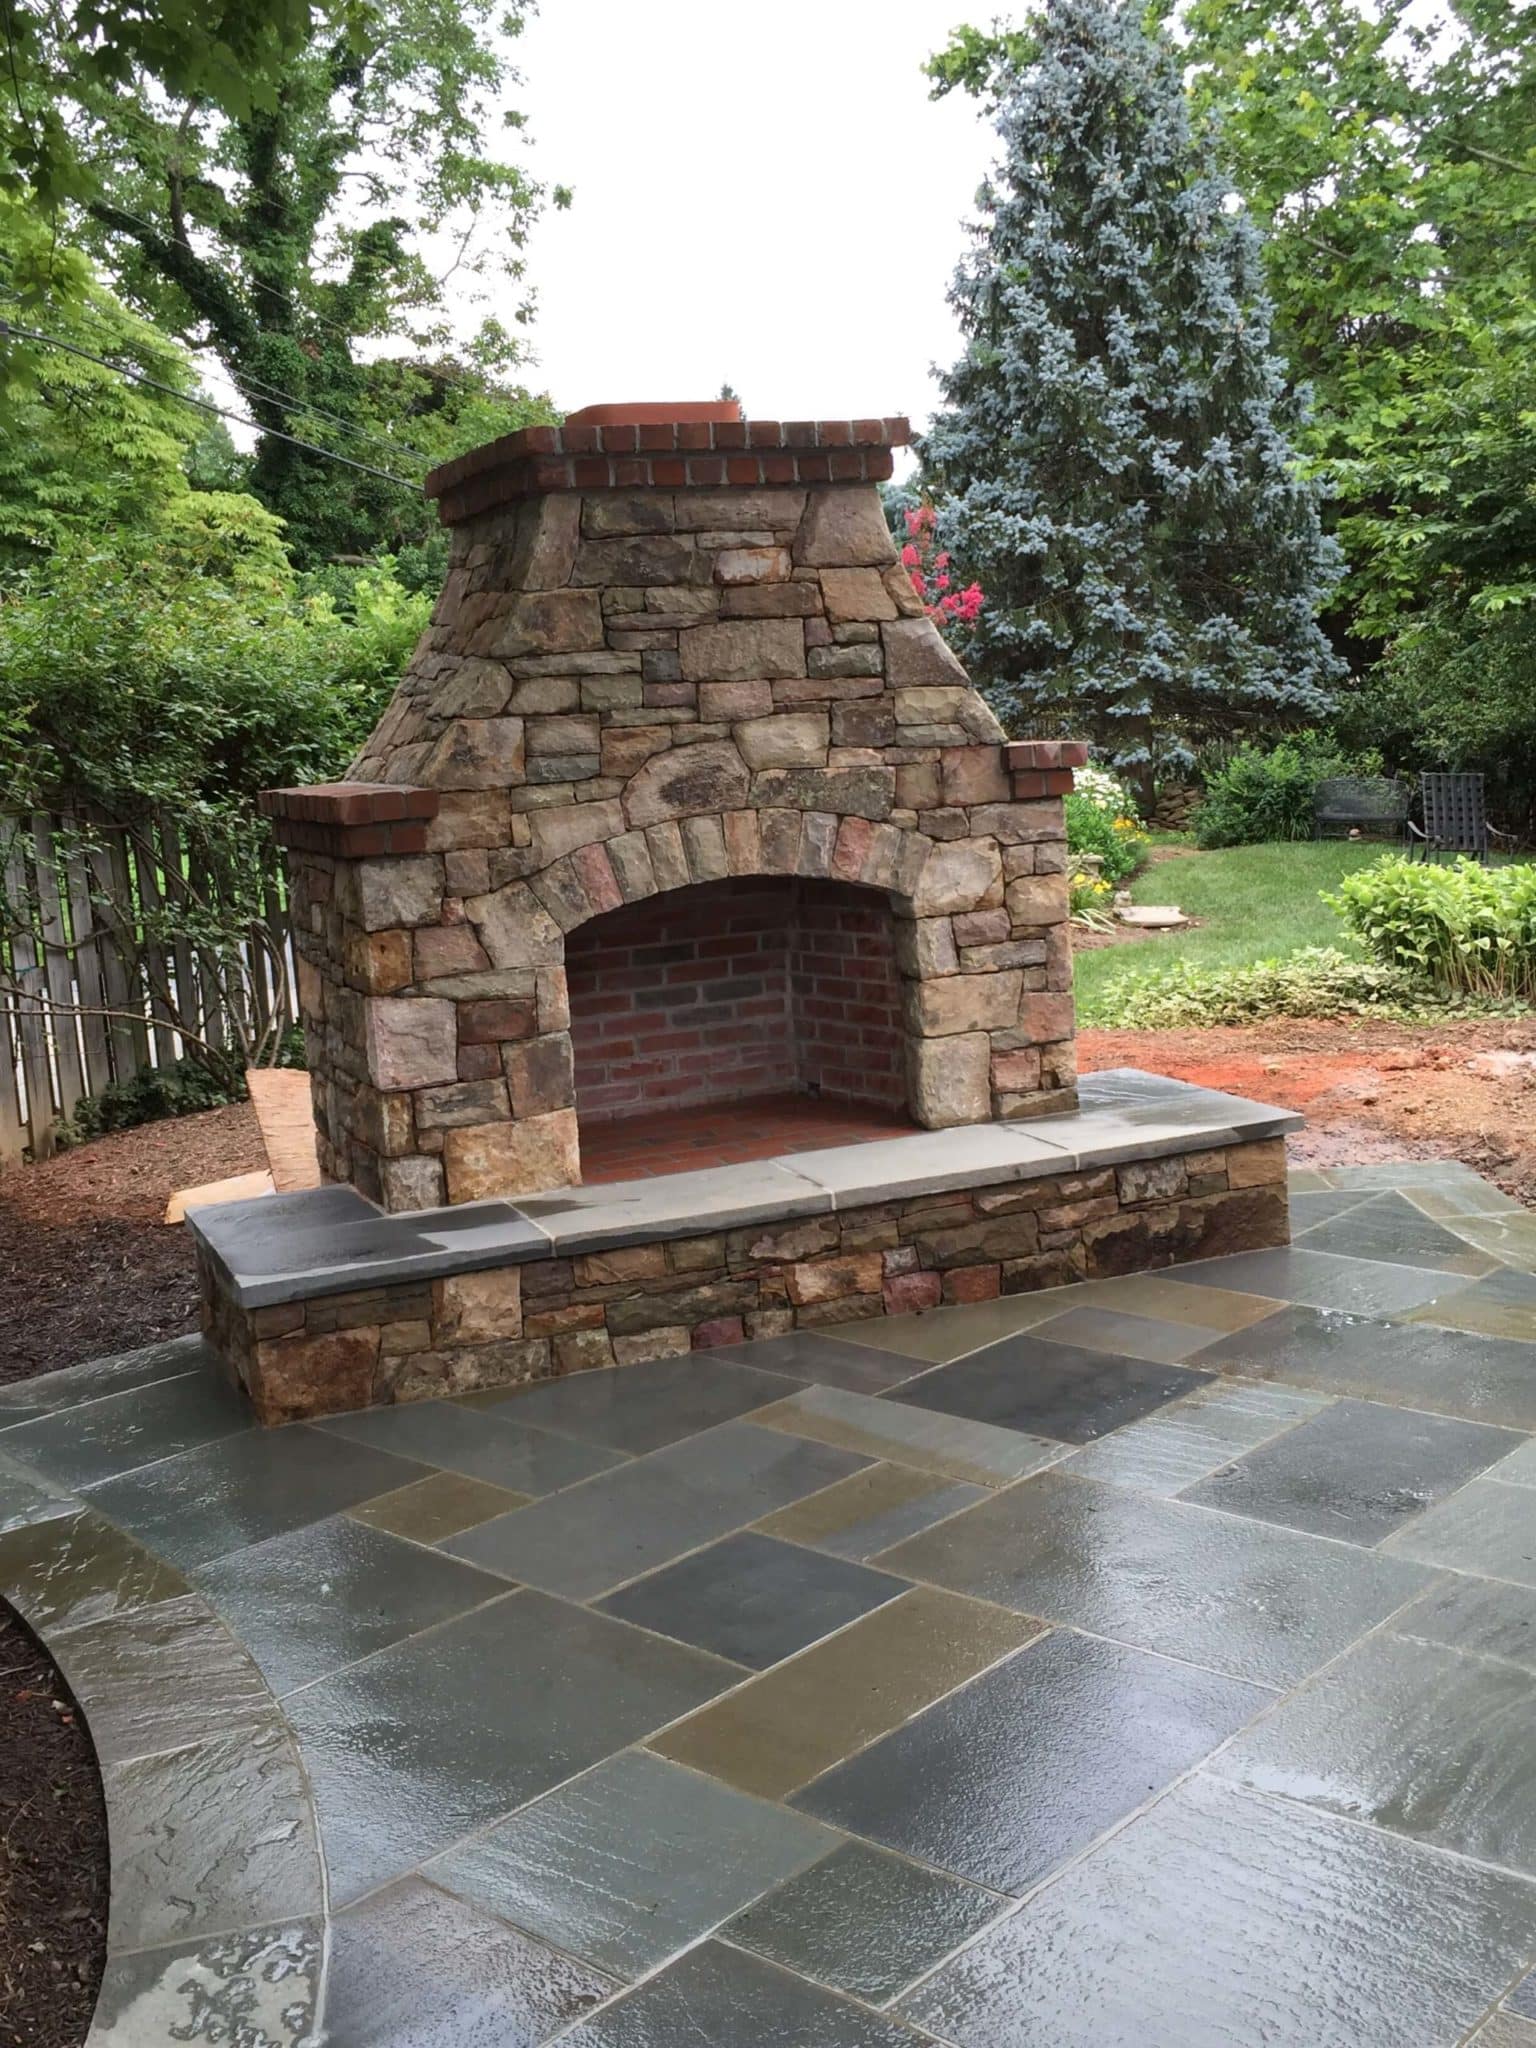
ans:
(102, 977)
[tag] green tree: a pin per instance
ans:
(347, 211)
(1114, 462)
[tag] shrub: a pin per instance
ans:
(1318, 981)
(1105, 789)
(1118, 841)
(1465, 928)
(144, 1098)
(1253, 795)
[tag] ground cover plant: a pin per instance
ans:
(1465, 927)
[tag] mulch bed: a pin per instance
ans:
(53, 1860)
(87, 1267)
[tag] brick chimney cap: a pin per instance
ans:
(691, 412)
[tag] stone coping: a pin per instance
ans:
(332, 1241)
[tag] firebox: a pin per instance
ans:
(683, 799)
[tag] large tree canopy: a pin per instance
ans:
(1114, 462)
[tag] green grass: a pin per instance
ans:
(1253, 903)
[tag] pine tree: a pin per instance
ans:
(1115, 460)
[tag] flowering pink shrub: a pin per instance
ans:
(950, 610)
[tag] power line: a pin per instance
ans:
(202, 404)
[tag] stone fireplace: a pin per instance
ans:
(682, 798)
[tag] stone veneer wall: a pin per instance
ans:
(665, 655)
(413, 1340)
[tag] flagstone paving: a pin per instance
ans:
(1143, 1664)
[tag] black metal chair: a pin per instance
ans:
(1455, 819)
(1359, 803)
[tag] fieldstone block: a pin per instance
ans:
(303, 1375)
(411, 1041)
(844, 528)
(644, 558)
(856, 594)
(779, 511)
(704, 844)
(407, 891)
(864, 792)
(833, 663)
(515, 928)
(561, 831)
(443, 949)
(465, 1102)
(478, 1308)
(917, 656)
(963, 1002)
(727, 702)
(925, 946)
(414, 1183)
(959, 875)
(1038, 899)
(606, 514)
(476, 753)
(518, 1158)
(1046, 1016)
(771, 601)
(950, 1079)
(788, 739)
(540, 1074)
(627, 748)
(545, 547)
(743, 650)
(752, 565)
(1151, 1180)
(708, 777)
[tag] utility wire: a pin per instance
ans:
(9, 327)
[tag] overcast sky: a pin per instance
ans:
(766, 196)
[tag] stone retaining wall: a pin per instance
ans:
(413, 1340)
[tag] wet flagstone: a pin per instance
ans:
(388, 1986)
(865, 1922)
(721, 1996)
(1008, 1777)
(1175, 1446)
(870, 1510)
(307, 1603)
(586, 1541)
(1449, 1372)
(1059, 1391)
(1357, 1471)
(644, 1407)
(1426, 1741)
(632, 1862)
(1242, 1597)
(1223, 1920)
(958, 1448)
(442, 1734)
(753, 1599)
(788, 1726)
(443, 1505)
(1149, 1663)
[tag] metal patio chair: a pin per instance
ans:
(1455, 820)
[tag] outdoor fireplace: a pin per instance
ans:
(679, 709)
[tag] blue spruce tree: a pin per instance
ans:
(1114, 463)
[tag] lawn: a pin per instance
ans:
(1252, 902)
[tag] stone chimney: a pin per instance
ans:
(682, 794)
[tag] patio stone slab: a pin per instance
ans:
(388, 1986)
(1357, 1471)
(74, 1569)
(789, 1725)
(428, 1510)
(639, 1408)
(828, 1360)
(1389, 1228)
(870, 1510)
(1501, 1305)
(1487, 1528)
(211, 1838)
(427, 1741)
(1242, 1597)
(1310, 1207)
(974, 1452)
(1361, 1287)
(1484, 1617)
(631, 1863)
(626, 1522)
(208, 1502)
(1448, 1372)
(480, 1443)
(721, 1996)
(1059, 1391)
(611, 1213)
(1114, 1330)
(52, 1392)
(24, 1497)
(307, 1603)
(266, 1980)
(159, 1678)
(864, 1922)
(752, 1599)
(1509, 1237)
(939, 1335)
(930, 1162)
(1505, 2030)
(1427, 1741)
(1020, 1769)
(1222, 1920)
(1217, 1309)
(1407, 1173)
(1174, 1446)
(99, 1439)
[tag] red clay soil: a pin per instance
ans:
(1369, 1091)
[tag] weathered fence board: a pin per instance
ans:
(105, 965)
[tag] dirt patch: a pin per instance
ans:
(1369, 1091)
(53, 1853)
(86, 1265)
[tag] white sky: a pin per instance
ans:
(766, 196)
